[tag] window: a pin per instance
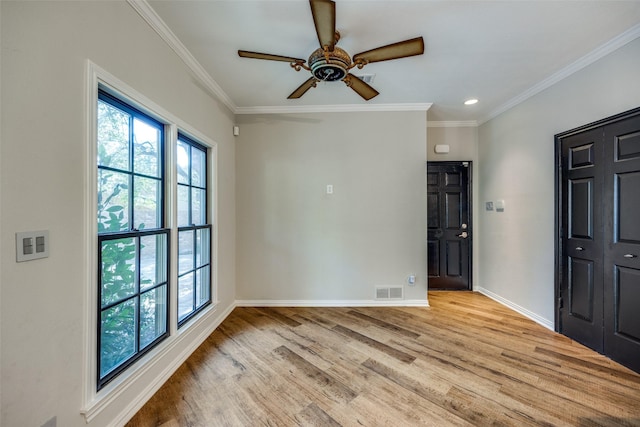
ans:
(194, 232)
(133, 255)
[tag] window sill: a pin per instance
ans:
(186, 341)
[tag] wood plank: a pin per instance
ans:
(466, 360)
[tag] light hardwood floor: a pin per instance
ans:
(466, 360)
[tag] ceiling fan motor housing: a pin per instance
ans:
(331, 67)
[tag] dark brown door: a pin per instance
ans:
(582, 222)
(622, 250)
(449, 225)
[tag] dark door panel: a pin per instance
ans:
(581, 283)
(449, 225)
(622, 251)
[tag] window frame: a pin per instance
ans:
(132, 232)
(192, 143)
(161, 361)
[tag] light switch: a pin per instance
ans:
(329, 189)
(40, 245)
(27, 245)
(32, 245)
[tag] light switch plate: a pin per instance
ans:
(32, 245)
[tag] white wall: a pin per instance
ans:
(463, 146)
(297, 243)
(516, 154)
(45, 46)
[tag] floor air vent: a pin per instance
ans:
(389, 292)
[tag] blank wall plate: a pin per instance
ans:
(32, 245)
(442, 149)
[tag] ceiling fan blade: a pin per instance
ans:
(304, 87)
(268, 56)
(392, 51)
(324, 17)
(361, 88)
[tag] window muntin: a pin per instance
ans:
(194, 233)
(132, 243)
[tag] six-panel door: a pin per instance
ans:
(448, 225)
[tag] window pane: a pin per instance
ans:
(198, 168)
(185, 251)
(153, 266)
(146, 140)
(133, 269)
(198, 206)
(202, 247)
(118, 270)
(202, 286)
(113, 137)
(185, 296)
(113, 201)
(183, 206)
(146, 203)
(183, 163)
(117, 335)
(153, 321)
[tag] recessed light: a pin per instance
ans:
(470, 101)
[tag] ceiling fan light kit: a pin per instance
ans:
(330, 63)
(330, 66)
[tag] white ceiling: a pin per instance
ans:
(496, 51)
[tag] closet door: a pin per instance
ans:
(622, 249)
(582, 238)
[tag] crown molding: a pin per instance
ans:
(453, 124)
(147, 13)
(332, 108)
(600, 52)
(151, 17)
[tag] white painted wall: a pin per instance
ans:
(516, 154)
(463, 146)
(45, 46)
(297, 243)
(294, 242)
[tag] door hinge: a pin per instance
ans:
(559, 302)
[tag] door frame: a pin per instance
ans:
(470, 207)
(559, 255)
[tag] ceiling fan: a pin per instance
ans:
(330, 63)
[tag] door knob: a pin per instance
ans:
(579, 248)
(464, 235)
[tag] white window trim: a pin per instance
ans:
(94, 402)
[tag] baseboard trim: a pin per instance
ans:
(332, 303)
(515, 307)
